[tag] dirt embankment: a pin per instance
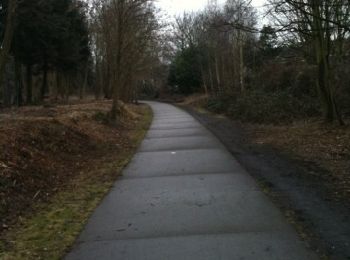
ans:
(305, 170)
(43, 149)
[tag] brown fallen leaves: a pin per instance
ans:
(41, 149)
(324, 151)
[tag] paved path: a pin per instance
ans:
(184, 196)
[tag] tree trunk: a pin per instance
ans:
(19, 85)
(60, 88)
(99, 80)
(8, 35)
(8, 85)
(211, 81)
(29, 79)
(86, 77)
(135, 94)
(54, 92)
(241, 66)
(115, 98)
(118, 61)
(67, 81)
(204, 81)
(83, 85)
(44, 87)
(217, 73)
(321, 41)
(331, 111)
(107, 82)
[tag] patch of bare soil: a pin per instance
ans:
(304, 168)
(43, 148)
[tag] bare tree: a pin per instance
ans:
(125, 45)
(323, 24)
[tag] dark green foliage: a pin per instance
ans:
(74, 41)
(31, 38)
(268, 42)
(3, 8)
(185, 74)
(51, 33)
(49, 36)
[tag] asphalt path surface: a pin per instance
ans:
(184, 196)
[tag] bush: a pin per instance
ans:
(265, 107)
(218, 104)
(101, 117)
(341, 85)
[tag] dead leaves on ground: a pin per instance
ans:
(323, 149)
(43, 148)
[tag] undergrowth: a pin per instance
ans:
(52, 227)
(263, 107)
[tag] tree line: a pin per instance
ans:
(45, 49)
(298, 62)
(56, 48)
(126, 47)
(296, 66)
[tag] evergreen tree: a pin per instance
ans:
(185, 73)
(51, 35)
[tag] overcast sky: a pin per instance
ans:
(175, 7)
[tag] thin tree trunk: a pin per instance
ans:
(55, 86)
(99, 80)
(211, 81)
(204, 81)
(60, 89)
(217, 73)
(321, 42)
(18, 80)
(85, 80)
(118, 61)
(8, 35)
(241, 66)
(135, 94)
(83, 86)
(29, 81)
(107, 84)
(44, 86)
(8, 86)
(67, 81)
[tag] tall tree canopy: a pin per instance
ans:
(48, 36)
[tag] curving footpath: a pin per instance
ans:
(184, 196)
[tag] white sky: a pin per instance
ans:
(176, 7)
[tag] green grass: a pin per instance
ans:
(51, 231)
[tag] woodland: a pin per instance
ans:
(283, 61)
(271, 82)
(295, 67)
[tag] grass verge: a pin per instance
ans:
(52, 229)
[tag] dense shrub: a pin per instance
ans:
(219, 104)
(297, 78)
(342, 87)
(279, 93)
(265, 107)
